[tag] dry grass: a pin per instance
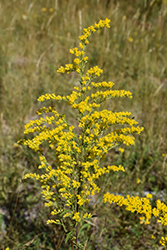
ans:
(35, 37)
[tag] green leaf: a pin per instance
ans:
(1, 219)
(68, 236)
(84, 226)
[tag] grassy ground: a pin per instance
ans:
(35, 37)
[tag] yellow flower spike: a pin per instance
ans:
(53, 222)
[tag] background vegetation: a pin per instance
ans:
(35, 38)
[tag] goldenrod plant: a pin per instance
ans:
(73, 162)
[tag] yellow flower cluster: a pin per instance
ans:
(121, 150)
(102, 84)
(141, 206)
(93, 73)
(80, 61)
(77, 216)
(163, 241)
(70, 176)
(50, 96)
(53, 221)
(87, 32)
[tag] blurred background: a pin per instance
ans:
(35, 38)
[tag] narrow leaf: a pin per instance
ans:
(84, 226)
(68, 236)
